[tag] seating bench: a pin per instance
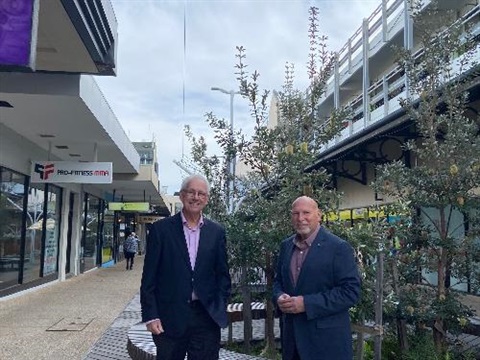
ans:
(235, 311)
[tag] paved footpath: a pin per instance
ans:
(88, 317)
(85, 317)
(62, 320)
(112, 345)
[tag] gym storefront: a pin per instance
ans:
(30, 219)
(48, 232)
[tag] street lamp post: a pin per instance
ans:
(233, 159)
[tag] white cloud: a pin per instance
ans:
(147, 94)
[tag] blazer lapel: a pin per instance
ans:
(288, 277)
(180, 240)
(205, 232)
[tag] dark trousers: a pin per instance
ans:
(200, 342)
(129, 259)
(296, 356)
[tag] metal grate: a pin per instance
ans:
(73, 324)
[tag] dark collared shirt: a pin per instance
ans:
(300, 251)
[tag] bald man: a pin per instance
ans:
(315, 284)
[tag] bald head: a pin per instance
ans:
(305, 200)
(305, 216)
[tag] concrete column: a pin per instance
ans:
(366, 74)
(407, 38)
(336, 82)
(62, 246)
(384, 21)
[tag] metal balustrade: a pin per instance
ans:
(384, 93)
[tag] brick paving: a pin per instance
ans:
(112, 345)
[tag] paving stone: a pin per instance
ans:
(113, 343)
(111, 346)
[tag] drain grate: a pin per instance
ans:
(72, 324)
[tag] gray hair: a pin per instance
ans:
(189, 178)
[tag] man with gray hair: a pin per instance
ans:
(186, 282)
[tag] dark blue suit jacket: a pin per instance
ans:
(168, 279)
(330, 285)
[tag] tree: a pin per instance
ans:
(441, 189)
(277, 158)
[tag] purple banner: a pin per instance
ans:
(15, 32)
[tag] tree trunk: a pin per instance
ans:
(230, 329)
(379, 306)
(439, 331)
(269, 308)
(247, 311)
(401, 323)
(360, 346)
(230, 333)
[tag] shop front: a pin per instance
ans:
(30, 220)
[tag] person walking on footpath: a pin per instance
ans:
(186, 283)
(316, 283)
(130, 246)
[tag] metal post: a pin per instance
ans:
(231, 165)
(232, 160)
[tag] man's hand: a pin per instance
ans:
(291, 304)
(155, 327)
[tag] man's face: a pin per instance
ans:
(305, 217)
(194, 197)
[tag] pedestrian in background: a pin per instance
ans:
(130, 246)
(316, 283)
(139, 252)
(186, 282)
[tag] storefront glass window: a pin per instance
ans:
(52, 229)
(108, 223)
(91, 232)
(12, 192)
(33, 238)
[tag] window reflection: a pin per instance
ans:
(33, 238)
(52, 230)
(108, 235)
(12, 191)
(90, 231)
(41, 234)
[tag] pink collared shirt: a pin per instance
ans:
(192, 237)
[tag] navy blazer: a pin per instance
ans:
(168, 279)
(330, 285)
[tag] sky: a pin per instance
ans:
(164, 83)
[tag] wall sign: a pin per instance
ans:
(71, 172)
(129, 206)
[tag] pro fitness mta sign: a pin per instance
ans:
(71, 172)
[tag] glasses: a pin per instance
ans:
(191, 194)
